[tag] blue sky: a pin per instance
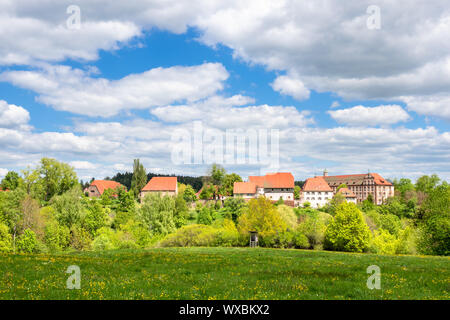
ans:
(341, 96)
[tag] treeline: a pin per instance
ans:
(44, 210)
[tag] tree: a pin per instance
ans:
(139, 179)
(288, 216)
(261, 216)
(32, 183)
(334, 203)
(5, 239)
(228, 184)
(216, 174)
(57, 177)
(27, 242)
(426, 184)
(95, 218)
(297, 191)
(436, 222)
(189, 194)
(347, 231)
(157, 214)
(181, 211)
(10, 181)
(343, 185)
(68, 208)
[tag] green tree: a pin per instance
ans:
(297, 191)
(69, 210)
(347, 231)
(95, 218)
(261, 216)
(288, 216)
(57, 177)
(435, 226)
(10, 181)
(157, 214)
(27, 242)
(5, 239)
(181, 211)
(427, 183)
(189, 194)
(139, 179)
(334, 203)
(228, 184)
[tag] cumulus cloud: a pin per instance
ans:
(370, 116)
(3, 172)
(12, 116)
(291, 86)
(83, 165)
(74, 90)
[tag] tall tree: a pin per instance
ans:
(10, 181)
(57, 177)
(139, 179)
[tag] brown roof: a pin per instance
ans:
(273, 180)
(244, 187)
(102, 185)
(355, 179)
(346, 192)
(161, 184)
(316, 184)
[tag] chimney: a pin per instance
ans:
(325, 173)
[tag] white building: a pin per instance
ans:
(316, 191)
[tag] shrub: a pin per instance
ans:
(313, 227)
(288, 216)
(102, 242)
(27, 242)
(5, 239)
(203, 235)
(80, 239)
(261, 216)
(301, 241)
(384, 242)
(56, 237)
(347, 231)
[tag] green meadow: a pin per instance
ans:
(223, 273)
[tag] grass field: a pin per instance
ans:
(223, 273)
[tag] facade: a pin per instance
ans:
(316, 191)
(362, 185)
(98, 187)
(348, 194)
(162, 185)
(274, 186)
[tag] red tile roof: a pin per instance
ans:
(316, 184)
(356, 179)
(161, 184)
(347, 193)
(274, 180)
(244, 187)
(103, 185)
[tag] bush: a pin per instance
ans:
(102, 242)
(313, 227)
(5, 239)
(301, 241)
(56, 237)
(288, 216)
(27, 242)
(384, 242)
(203, 236)
(347, 231)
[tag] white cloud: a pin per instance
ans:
(83, 165)
(73, 90)
(335, 104)
(370, 116)
(12, 116)
(3, 172)
(291, 86)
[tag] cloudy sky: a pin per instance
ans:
(345, 92)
